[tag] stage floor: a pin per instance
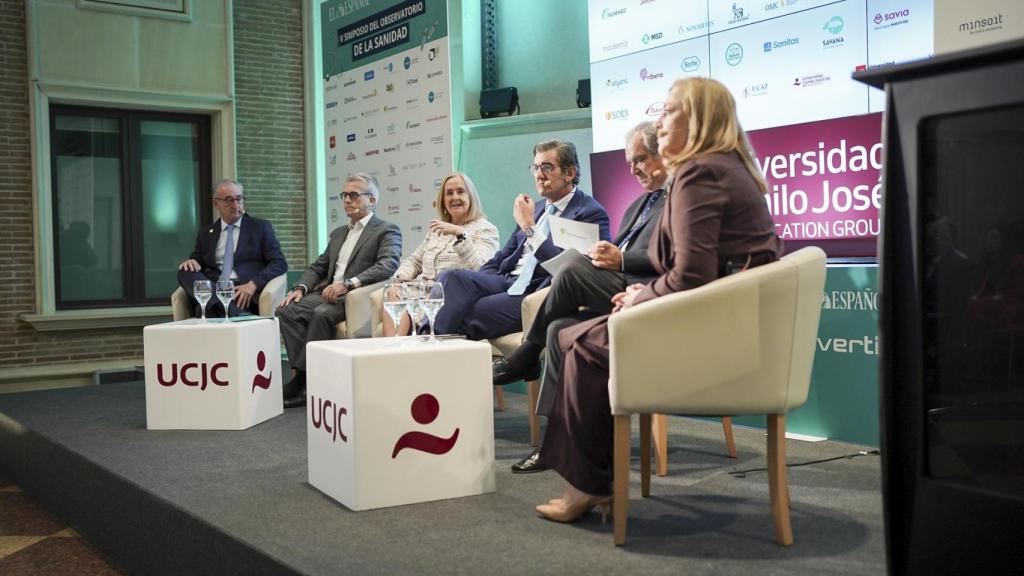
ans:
(250, 486)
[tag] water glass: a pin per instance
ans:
(394, 301)
(203, 292)
(412, 303)
(431, 301)
(225, 293)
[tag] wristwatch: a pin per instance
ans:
(460, 237)
(349, 286)
(528, 231)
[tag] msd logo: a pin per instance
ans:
(188, 372)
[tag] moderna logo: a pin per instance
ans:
(425, 409)
(187, 374)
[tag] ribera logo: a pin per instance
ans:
(645, 75)
(690, 63)
(187, 374)
(326, 415)
(655, 110)
(616, 83)
(612, 13)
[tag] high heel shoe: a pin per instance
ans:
(561, 512)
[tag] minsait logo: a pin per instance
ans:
(982, 25)
(733, 54)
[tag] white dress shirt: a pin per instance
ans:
(354, 232)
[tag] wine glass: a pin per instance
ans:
(394, 301)
(203, 291)
(431, 301)
(412, 303)
(225, 293)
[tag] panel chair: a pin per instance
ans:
(272, 295)
(362, 313)
(743, 344)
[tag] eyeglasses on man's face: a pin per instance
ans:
(353, 196)
(231, 199)
(547, 168)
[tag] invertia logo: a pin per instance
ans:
(326, 415)
(867, 345)
(187, 373)
(655, 109)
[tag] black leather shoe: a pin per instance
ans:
(530, 464)
(297, 400)
(502, 373)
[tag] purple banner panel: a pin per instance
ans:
(824, 180)
(823, 177)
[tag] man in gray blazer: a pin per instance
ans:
(591, 281)
(364, 251)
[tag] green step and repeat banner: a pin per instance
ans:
(843, 401)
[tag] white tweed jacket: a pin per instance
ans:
(439, 252)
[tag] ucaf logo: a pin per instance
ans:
(733, 54)
(690, 63)
(755, 90)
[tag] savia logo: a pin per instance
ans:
(259, 380)
(655, 109)
(326, 415)
(645, 75)
(733, 54)
(368, 75)
(425, 409)
(620, 114)
(891, 19)
(186, 373)
(612, 13)
(690, 63)
(617, 83)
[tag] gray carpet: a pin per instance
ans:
(700, 519)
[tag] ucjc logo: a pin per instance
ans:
(259, 380)
(186, 374)
(326, 415)
(425, 409)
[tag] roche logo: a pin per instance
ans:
(617, 83)
(612, 13)
(834, 25)
(733, 54)
(620, 114)
(368, 75)
(690, 64)
(655, 109)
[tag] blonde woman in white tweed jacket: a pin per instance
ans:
(460, 238)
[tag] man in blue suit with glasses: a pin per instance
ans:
(486, 303)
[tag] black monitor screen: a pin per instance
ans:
(972, 207)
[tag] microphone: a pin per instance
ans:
(657, 174)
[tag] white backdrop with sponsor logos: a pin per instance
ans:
(387, 100)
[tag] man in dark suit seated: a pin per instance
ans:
(486, 303)
(254, 258)
(364, 251)
(591, 282)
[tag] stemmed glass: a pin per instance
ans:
(225, 293)
(203, 291)
(412, 303)
(431, 301)
(395, 301)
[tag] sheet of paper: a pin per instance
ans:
(552, 265)
(566, 233)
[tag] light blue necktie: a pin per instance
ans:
(229, 254)
(518, 288)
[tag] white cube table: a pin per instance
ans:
(394, 421)
(214, 375)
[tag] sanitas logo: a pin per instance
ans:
(733, 54)
(621, 114)
(617, 83)
(689, 64)
(656, 109)
(776, 44)
(612, 13)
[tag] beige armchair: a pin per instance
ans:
(362, 313)
(743, 344)
(270, 297)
